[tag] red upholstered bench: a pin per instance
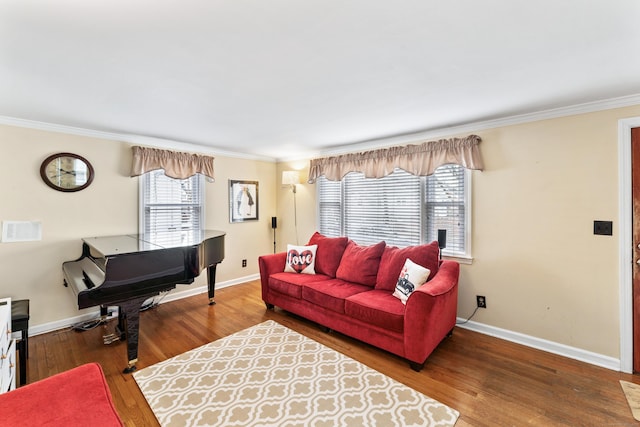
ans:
(77, 397)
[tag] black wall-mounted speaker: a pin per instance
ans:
(274, 222)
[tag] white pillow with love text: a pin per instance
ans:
(301, 259)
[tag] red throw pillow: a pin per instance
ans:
(329, 253)
(393, 260)
(360, 264)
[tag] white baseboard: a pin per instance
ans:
(516, 337)
(173, 296)
(197, 290)
(545, 345)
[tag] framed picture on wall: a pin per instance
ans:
(243, 201)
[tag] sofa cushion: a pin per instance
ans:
(394, 258)
(301, 259)
(77, 397)
(332, 293)
(411, 278)
(291, 283)
(329, 253)
(377, 307)
(359, 264)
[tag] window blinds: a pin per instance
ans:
(445, 206)
(330, 208)
(401, 208)
(172, 204)
(382, 209)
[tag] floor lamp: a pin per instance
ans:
(292, 178)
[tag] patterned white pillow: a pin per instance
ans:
(301, 259)
(412, 276)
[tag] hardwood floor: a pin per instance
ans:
(491, 382)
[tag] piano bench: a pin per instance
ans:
(20, 322)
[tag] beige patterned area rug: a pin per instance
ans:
(632, 393)
(269, 375)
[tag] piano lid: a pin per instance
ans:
(135, 243)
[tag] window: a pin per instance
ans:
(446, 207)
(401, 208)
(168, 204)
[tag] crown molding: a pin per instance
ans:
(588, 107)
(133, 139)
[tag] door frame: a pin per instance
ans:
(625, 241)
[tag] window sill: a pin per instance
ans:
(462, 259)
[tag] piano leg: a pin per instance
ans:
(211, 282)
(129, 326)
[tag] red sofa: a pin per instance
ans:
(352, 292)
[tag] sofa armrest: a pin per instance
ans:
(268, 265)
(431, 312)
(444, 280)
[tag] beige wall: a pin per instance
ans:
(304, 205)
(536, 259)
(109, 206)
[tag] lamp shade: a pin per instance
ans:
(290, 177)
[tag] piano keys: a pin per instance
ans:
(125, 271)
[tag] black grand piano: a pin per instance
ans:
(125, 271)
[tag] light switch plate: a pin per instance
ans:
(604, 228)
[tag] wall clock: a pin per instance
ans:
(66, 172)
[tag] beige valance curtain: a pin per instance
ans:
(420, 159)
(175, 164)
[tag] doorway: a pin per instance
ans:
(635, 194)
(627, 254)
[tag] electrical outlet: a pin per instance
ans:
(482, 301)
(244, 262)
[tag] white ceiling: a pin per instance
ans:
(293, 78)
